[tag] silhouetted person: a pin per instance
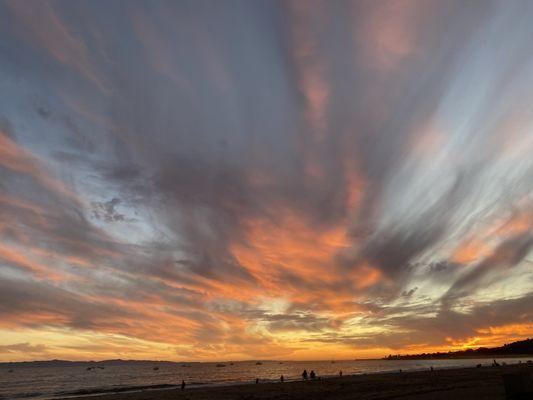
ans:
(281, 378)
(182, 384)
(256, 380)
(312, 375)
(340, 373)
(304, 374)
(495, 364)
(431, 368)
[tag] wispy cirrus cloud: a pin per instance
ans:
(254, 179)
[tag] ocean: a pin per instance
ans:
(48, 382)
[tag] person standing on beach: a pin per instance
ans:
(182, 384)
(312, 375)
(304, 374)
(282, 378)
(340, 373)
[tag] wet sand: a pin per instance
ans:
(465, 383)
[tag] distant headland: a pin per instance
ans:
(519, 348)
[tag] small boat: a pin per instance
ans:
(221, 365)
(155, 368)
(258, 363)
(10, 370)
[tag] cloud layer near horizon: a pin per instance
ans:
(250, 179)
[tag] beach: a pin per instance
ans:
(484, 383)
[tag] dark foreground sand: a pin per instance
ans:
(456, 384)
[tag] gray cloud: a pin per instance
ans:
(188, 130)
(508, 254)
(107, 210)
(26, 348)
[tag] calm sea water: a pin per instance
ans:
(51, 382)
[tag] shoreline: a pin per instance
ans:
(470, 382)
(63, 363)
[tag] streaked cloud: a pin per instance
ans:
(248, 179)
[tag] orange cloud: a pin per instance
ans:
(480, 243)
(311, 79)
(470, 251)
(520, 222)
(525, 330)
(18, 159)
(492, 336)
(290, 245)
(11, 255)
(36, 318)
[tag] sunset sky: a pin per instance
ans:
(227, 180)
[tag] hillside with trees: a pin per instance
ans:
(520, 348)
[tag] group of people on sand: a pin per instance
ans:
(311, 375)
(305, 375)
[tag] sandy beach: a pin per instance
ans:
(465, 383)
